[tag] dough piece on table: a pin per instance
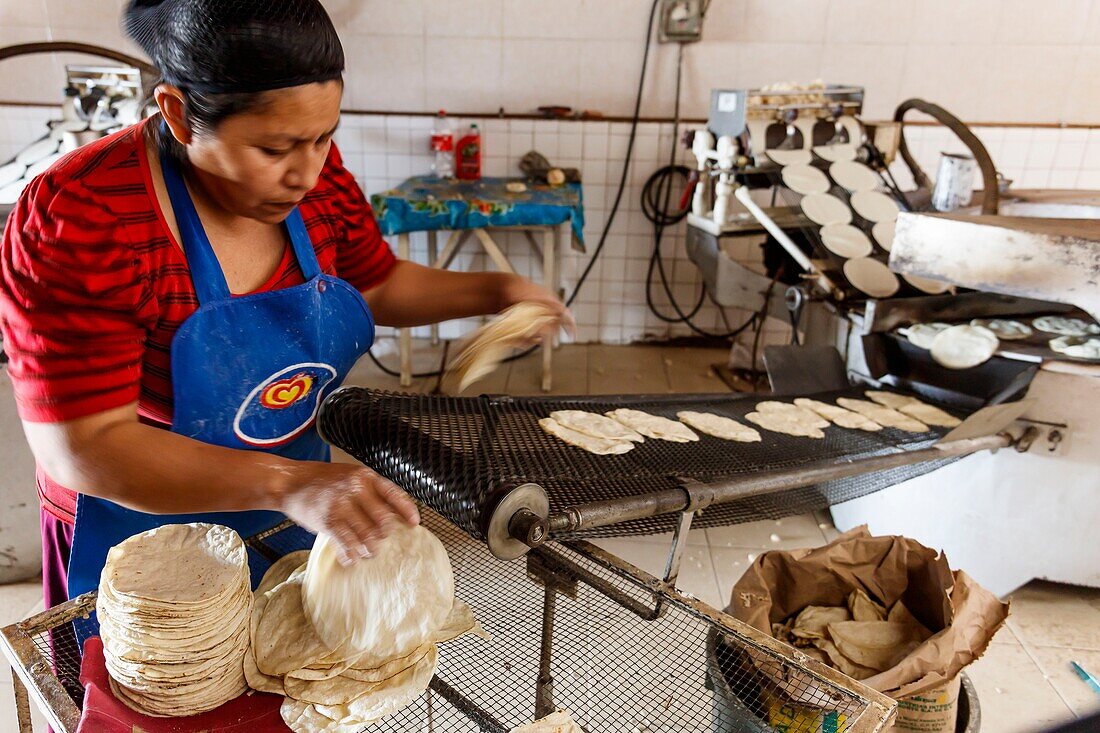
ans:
(884, 416)
(963, 347)
(1005, 329)
(844, 240)
(871, 277)
(654, 426)
(786, 423)
(596, 425)
(1079, 347)
(1063, 326)
(557, 722)
(825, 209)
(383, 606)
(599, 446)
(491, 344)
(921, 335)
(809, 417)
(838, 415)
(719, 426)
(805, 179)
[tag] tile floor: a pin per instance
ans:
(1024, 681)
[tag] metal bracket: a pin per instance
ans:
(1042, 438)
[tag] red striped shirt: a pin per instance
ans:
(93, 287)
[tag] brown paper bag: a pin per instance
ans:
(962, 616)
(934, 711)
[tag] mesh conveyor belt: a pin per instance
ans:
(459, 455)
(614, 670)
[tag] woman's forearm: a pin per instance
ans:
(155, 471)
(415, 295)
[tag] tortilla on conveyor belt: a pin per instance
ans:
(490, 345)
(914, 408)
(654, 426)
(1063, 326)
(807, 417)
(838, 415)
(1079, 347)
(1005, 329)
(386, 625)
(174, 606)
(921, 335)
(590, 443)
(719, 426)
(596, 425)
(884, 416)
(963, 347)
(787, 423)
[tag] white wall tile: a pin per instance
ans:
(864, 21)
(385, 73)
(463, 74)
(1051, 21)
(539, 72)
(786, 21)
(524, 19)
(468, 18)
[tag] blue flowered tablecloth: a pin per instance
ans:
(425, 203)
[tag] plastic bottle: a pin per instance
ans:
(443, 146)
(469, 155)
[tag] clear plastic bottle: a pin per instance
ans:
(443, 146)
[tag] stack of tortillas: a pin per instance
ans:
(174, 605)
(348, 646)
(493, 342)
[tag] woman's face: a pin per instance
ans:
(261, 163)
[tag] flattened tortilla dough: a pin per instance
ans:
(782, 422)
(557, 722)
(1079, 347)
(963, 347)
(929, 414)
(1063, 326)
(883, 232)
(596, 425)
(599, 446)
(871, 277)
(833, 153)
(874, 206)
(927, 284)
(805, 179)
(654, 426)
(719, 426)
(825, 209)
(851, 175)
(490, 344)
(808, 417)
(884, 416)
(922, 334)
(839, 416)
(789, 157)
(1005, 329)
(844, 240)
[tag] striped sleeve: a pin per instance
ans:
(74, 306)
(363, 258)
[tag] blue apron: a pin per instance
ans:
(248, 372)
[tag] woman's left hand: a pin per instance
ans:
(516, 289)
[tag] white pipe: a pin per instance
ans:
(743, 195)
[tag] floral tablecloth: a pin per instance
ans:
(426, 203)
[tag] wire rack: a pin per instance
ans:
(458, 454)
(572, 627)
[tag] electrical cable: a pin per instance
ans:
(614, 207)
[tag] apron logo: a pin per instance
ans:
(285, 392)
(283, 406)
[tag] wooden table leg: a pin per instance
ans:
(549, 235)
(493, 251)
(433, 247)
(404, 335)
(22, 704)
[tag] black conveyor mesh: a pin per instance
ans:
(460, 454)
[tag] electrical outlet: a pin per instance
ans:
(681, 21)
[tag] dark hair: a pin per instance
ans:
(224, 54)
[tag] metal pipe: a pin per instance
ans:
(743, 195)
(602, 513)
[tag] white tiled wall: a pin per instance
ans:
(384, 150)
(993, 60)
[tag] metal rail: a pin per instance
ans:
(694, 496)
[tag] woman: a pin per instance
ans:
(176, 299)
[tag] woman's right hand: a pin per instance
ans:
(352, 503)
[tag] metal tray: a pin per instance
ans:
(572, 627)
